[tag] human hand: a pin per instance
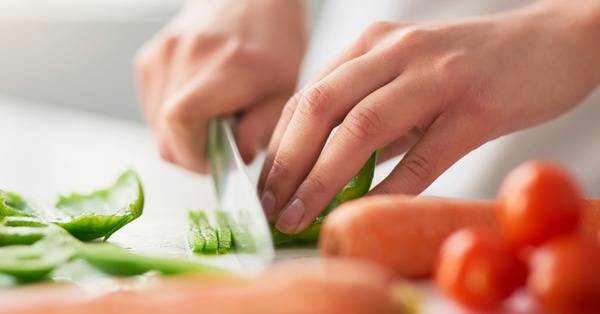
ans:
(220, 58)
(435, 91)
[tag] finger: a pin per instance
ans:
(376, 121)
(153, 68)
(445, 142)
(320, 108)
(399, 146)
(354, 51)
(256, 125)
(184, 116)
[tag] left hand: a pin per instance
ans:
(436, 90)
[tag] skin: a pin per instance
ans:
(219, 58)
(435, 91)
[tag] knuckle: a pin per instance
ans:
(454, 68)
(290, 107)
(314, 185)
(315, 101)
(414, 39)
(418, 166)
(236, 50)
(279, 170)
(174, 114)
(374, 32)
(168, 45)
(363, 124)
(377, 28)
(165, 152)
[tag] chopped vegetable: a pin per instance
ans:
(101, 213)
(223, 232)
(478, 269)
(12, 204)
(36, 261)
(116, 261)
(22, 230)
(20, 235)
(199, 225)
(243, 241)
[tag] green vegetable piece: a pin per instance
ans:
(195, 240)
(18, 230)
(15, 221)
(116, 261)
(101, 213)
(199, 223)
(35, 262)
(243, 242)
(12, 204)
(20, 235)
(223, 232)
(307, 237)
(358, 186)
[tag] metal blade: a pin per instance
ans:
(237, 196)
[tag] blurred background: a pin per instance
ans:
(77, 53)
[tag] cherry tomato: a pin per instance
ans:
(478, 269)
(538, 201)
(565, 275)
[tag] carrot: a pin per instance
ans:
(299, 286)
(404, 233)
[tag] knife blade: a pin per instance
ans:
(237, 196)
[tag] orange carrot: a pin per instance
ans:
(404, 233)
(300, 286)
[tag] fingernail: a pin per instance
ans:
(291, 216)
(268, 203)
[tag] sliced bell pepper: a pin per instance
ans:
(358, 186)
(12, 204)
(101, 213)
(116, 261)
(202, 236)
(36, 261)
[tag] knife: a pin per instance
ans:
(237, 196)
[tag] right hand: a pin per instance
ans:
(220, 58)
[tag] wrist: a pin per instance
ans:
(576, 23)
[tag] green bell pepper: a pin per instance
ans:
(116, 261)
(101, 213)
(33, 262)
(12, 204)
(358, 186)
(202, 237)
(223, 232)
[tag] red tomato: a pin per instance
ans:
(565, 275)
(478, 270)
(538, 201)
